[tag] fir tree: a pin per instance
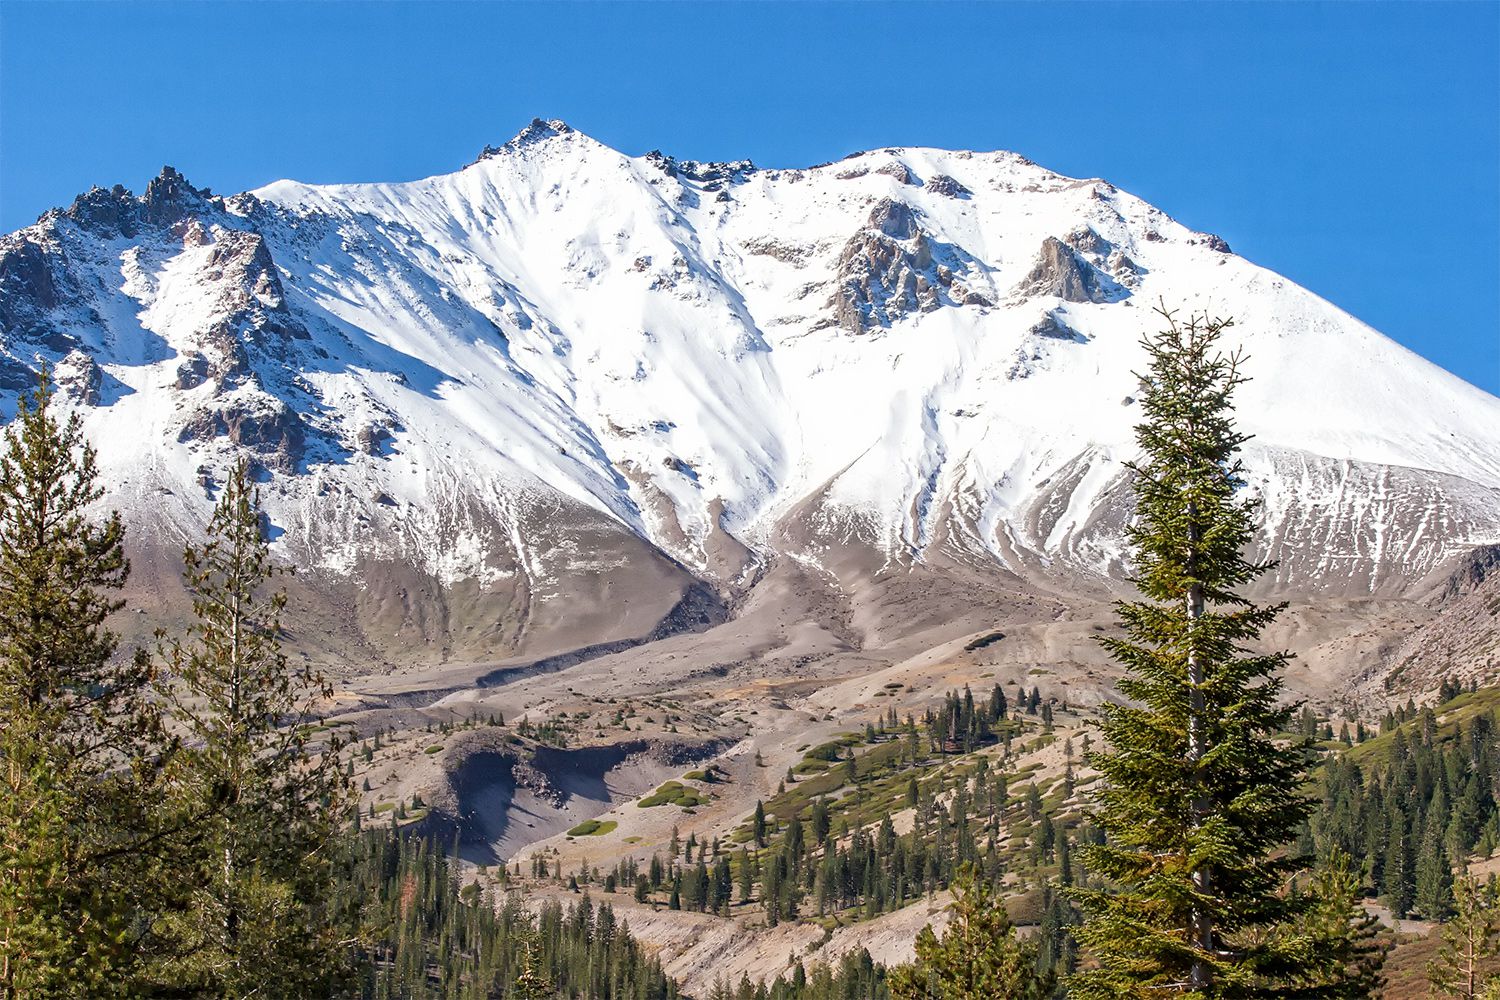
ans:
(1464, 966)
(258, 919)
(1398, 882)
(81, 747)
(1198, 795)
(1344, 953)
(978, 957)
(1434, 878)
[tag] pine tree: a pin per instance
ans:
(533, 982)
(978, 957)
(1398, 881)
(81, 747)
(1463, 966)
(1434, 877)
(258, 919)
(1198, 795)
(1342, 940)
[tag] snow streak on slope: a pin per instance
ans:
(907, 349)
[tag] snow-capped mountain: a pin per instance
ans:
(565, 385)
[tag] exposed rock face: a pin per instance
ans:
(712, 176)
(1055, 327)
(892, 268)
(1086, 240)
(947, 187)
(1123, 269)
(899, 171)
(111, 212)
(540, 130)
(28, 288)
(893, 219)
(373, 438)
(1060, 271)
(1479, 565)
(193, 372)
(1463, 641)
(79, 378)
(170, 198)
(262, 425)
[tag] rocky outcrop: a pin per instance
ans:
(257, 423)
(713, 176)
(372, 439)
(1062, 272)
(900, 171)
(892, 268)
(28, 288)
(540, 130)
(947, 187)
(170, 199)
(79, 378)
(1054, 326)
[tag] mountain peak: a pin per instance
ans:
(539, 130)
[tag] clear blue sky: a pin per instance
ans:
(1353, 147)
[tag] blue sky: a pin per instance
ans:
(1353, 147)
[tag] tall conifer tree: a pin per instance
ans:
(81, 744)
(1198, 794)
(978, 957)
(1343, 942)
(1466, 964)
(258, 923)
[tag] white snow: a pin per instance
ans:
(562, 319)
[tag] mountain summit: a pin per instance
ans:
(568, 396)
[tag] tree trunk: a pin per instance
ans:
(1201, 931)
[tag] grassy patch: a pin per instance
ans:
(673, 793)
(593, 828)
(1460, 711)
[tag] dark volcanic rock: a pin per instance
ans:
(264, 425)
(110, 213)
(947, 187)
(170, 198)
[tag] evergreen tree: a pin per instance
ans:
(1434, 881)
(259, 917)
(1344, 954)
(1398, 881)
(978, 957)
(81, 745)
(1198, 795)
(1464, 965)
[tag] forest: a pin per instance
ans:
(176, 823)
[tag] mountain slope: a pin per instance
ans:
(546, 400)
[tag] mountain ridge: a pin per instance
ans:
(562, 378)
